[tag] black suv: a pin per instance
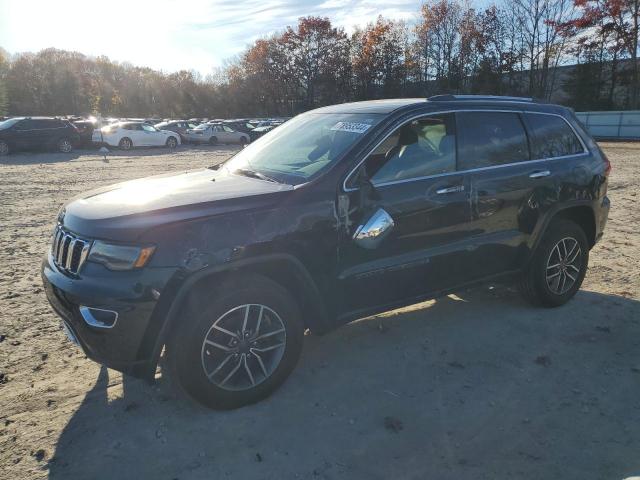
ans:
(33, 133)
(340, 213)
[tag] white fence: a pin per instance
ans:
(612, 125)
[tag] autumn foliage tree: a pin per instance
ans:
(511, 47)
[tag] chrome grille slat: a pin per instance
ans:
(69, 252)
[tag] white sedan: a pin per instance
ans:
(213, 133)
(127, 135)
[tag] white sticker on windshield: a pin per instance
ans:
(351, 127)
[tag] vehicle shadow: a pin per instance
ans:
(474, 385)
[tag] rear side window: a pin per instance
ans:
(551, 137)
(41, 123)
(490, 138)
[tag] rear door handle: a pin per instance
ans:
(540, 174)
(457, 188)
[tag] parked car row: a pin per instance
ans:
(63, 134)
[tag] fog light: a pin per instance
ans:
(99, 317)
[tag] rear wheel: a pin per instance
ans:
(4, 148)
(65, 145)
(243, 140)
(172, 142)
(213, 141)
(125, 143)
(558, 266)
(241, 345)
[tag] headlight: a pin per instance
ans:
(119, 257)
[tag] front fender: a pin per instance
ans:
(172, 302)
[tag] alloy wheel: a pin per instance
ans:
(65, 146)
(4, 149)
(563, 265)
(243, 347)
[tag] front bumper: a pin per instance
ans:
(133, 295)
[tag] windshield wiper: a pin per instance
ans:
(253, 174)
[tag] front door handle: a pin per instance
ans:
(457, 188)
(540, 174)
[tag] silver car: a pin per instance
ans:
(214, 133)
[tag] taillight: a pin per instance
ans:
(607, 164)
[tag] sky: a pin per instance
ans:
(173, 35)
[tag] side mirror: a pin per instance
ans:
(376, 229)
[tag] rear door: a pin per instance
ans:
(134, 130)
(510, 181)
(152, 137)
(231, 135)
(32, 133)
(421, 206)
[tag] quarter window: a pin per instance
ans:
(552, 137)
(420, 148)
(491, 138)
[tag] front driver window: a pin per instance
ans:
(148, 128)
(420, 148)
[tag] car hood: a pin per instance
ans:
(125, 210)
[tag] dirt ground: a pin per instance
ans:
(475, 385)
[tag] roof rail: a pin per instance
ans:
(493, 98)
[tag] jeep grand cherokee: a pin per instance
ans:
(340, 213)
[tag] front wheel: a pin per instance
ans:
(558, 266)
(241, 345)
(171, 142)
(213, 141)
(243, 141)
(4, 148)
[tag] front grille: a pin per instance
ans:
(69, 252)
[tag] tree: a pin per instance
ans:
(318, 57)
(608, 27)
(4, 65)
(378, 54)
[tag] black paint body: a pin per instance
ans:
(302, 236)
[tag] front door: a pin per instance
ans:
(409, 230)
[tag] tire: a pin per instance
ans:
(65, 145)
(125, 143)
(213, 141)
(555, 272)
(209, 360)
(4, 148)
(243, 141)
(171, 142)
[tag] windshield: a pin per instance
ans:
(9, 123)
(304, 146)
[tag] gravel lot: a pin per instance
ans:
(475, 385)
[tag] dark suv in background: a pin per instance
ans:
(340, 213)
(35, 133)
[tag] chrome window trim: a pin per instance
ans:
(585, 151)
